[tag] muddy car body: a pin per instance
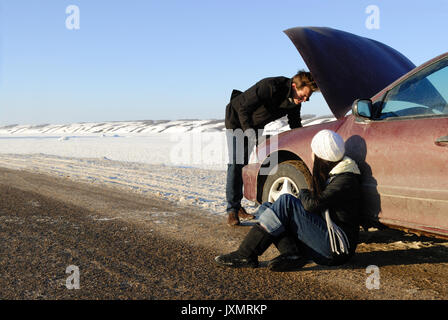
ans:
(397, 131)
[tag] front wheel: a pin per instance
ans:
(290, 177)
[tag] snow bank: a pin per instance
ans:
(141, 127)
(116, 127)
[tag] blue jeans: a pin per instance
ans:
(288, 214)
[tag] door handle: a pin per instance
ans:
(442, 141)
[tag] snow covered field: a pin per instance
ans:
(181, 161)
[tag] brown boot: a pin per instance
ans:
(242, 214)
(232, 218)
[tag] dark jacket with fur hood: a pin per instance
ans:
(266, 101)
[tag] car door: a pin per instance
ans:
(405, 151)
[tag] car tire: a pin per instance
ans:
(290, 177)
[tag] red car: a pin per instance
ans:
(397, 131)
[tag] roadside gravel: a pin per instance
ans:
(130, 246)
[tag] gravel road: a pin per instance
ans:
(125, 245)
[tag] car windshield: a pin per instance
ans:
(425, 93)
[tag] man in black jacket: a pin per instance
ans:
(249, 111)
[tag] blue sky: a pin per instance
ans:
(138, 60)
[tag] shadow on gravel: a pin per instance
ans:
(400, 257)
(383, 253)
(390, 236)
(414, 249)
(392, 247)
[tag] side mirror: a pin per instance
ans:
(362, 108)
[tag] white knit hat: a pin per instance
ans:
(328, 145)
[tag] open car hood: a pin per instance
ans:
(346, 66)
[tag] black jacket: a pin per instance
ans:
(342, 197)
(262, 103)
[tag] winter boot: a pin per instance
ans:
(290, 257)
(254, 244)
(242, 214)
(232, 218)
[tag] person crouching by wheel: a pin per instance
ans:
(321, 224)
